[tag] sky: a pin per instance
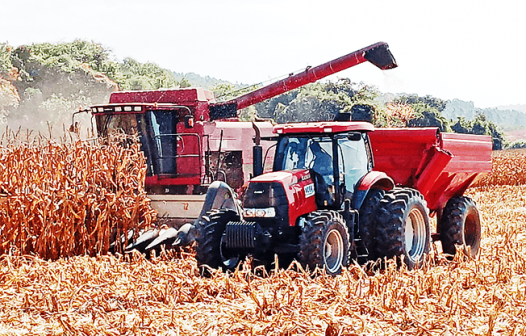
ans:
(473, 50)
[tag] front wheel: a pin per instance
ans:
(324, 242)
(403, 227)
(460, 225)
(209, 233)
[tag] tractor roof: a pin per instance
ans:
(324, 127)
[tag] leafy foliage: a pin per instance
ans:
(145, 76)
(51, 81)
(5, 58)
(428, 116)
(481, 126)
(517, 144)
(430, 101)
(227, 91)
(206, 82)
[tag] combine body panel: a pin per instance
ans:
(439, 165)
(184, 151)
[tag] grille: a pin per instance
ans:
(240, 235)
(266, 195)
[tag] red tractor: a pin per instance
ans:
(323, 203)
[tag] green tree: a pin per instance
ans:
(144, 76)
(482, 126)
(5, 58)
(428, 100)
(428, 116)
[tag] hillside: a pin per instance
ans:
(41, 85)
(521, 108)
(511, 117)
(206, 82)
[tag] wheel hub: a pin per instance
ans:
(333, 251)
(415, 235)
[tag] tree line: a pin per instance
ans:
(52, 80)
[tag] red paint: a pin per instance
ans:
(439, 165)
(380, 179)
(294, 182)
(323, 127)
(310, 75)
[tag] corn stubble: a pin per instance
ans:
(129, 295)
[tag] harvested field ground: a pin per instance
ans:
(111, 295)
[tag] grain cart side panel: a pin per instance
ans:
(471, 158)
(401, 153)
(439, 165)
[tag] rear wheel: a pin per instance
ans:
(324, 242)
(403, 227)
(209, 233)
(460, 225)
(368, 212)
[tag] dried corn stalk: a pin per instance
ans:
(70, 199)
(509, 168)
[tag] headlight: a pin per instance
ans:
(262, 213)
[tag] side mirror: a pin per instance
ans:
(74, 128)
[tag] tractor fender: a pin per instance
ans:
(220, 196)
(373, 179)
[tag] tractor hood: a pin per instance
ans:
(285, 177)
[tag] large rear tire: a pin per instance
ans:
(324, 242)
(368, 213)
(403, 227)
(209, 232)
(460, 225)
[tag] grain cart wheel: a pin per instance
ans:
(460, 225)
(209, 231)
(368, 219)
(324, 242)
(403, 226)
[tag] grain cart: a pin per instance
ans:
(190, 140)
(341, 190)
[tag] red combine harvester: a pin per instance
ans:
(323, 203)
(190, 140)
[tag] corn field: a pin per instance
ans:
(130, 295)
(509, 168)
(70, 198)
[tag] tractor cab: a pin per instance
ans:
(336, 157)
(336, 163)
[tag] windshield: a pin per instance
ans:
(307, 152)
(117, 123)
(304, 153)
